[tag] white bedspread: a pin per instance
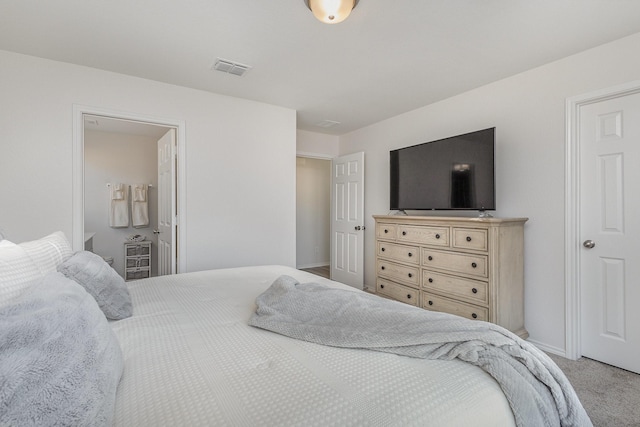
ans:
(191, 359)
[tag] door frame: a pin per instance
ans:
(573, 349)
(77, 224)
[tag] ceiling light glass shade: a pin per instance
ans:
(331, 11)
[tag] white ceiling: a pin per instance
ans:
(389, 57)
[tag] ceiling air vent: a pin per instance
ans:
(230, 67)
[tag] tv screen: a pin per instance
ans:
(447, 174)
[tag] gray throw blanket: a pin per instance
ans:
(60, 362)
(537, 390)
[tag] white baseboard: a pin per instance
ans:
(317, 264)
(548, 348)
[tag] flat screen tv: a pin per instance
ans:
(448, 174)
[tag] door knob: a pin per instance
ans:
(156, 231)
(360, 227)
(589, 244)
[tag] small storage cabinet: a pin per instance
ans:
(137, 260)
(471, 267)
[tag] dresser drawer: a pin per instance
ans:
(397, 292)
(434, 236)
(400, 273)
(138, 261)
(402, 253)
(386, 231)
(137, 249)
(473, 291)
(446, 305)
(474, 265)
(136, 273)
(470, 238)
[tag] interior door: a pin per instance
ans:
(166, 232)
(347, 222)
(609, 144)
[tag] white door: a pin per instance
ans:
(609, 144)
(347, 222)
(166, 231)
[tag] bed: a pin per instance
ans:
(190, 358)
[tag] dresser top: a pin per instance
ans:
(432, 219)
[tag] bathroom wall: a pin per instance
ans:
(111, 158)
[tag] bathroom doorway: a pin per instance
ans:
(120, 153)
(124, 156)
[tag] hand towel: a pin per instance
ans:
(140, 205)
(119, 206)
(140, 192)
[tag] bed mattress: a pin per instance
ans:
(191, 359)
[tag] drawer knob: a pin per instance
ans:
(430, 258)
(381, 286)
(475, 316)
(468, 238)
(437, 236)
(474, 265)
(404, 233)
(408, 296)
(430, 302)
(382, 249)
(386, 231)
(430, 280)
(382, 268)
(410, 275)
(410, 254)
(474, 290)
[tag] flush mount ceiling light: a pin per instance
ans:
(331, 11)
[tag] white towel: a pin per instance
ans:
(140, 205)
(118, 206)
(140, 192)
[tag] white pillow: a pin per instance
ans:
(48, 252)
(17, 271)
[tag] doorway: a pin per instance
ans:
(602, 263)
(313, 185)
(121, 120)
(121, 153)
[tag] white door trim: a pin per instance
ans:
(319, 156)
(77, 224)
(573, 348)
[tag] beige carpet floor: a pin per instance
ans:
(611, 396)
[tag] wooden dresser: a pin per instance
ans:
(472, 267)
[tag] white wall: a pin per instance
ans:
(313, 144)
(528, 111)
(118, 158)
(240, 158)
(313, 199)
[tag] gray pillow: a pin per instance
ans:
(101, 281)
(60, 362)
